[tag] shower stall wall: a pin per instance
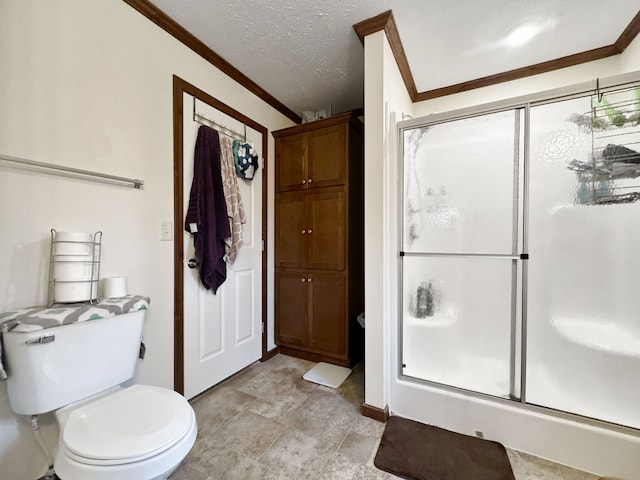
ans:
(518, 262)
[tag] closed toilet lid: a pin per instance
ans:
(130, 425)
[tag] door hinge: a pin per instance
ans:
(262, 245)
(262, 327)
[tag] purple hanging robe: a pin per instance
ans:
(206, 216)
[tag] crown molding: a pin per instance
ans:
(628, 35)
(385, 22)
(518, 73)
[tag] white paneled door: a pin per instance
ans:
(222, 332)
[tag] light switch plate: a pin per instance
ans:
(167, 231)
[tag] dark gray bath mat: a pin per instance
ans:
(416, 451)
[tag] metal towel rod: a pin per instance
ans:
(218, 126)
(135, 183)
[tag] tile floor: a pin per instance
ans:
(267, 423)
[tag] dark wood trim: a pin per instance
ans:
(379, 414)
(518, 73)
(178, 243)
(372, 25)
(270, 354)
(180, 87)
(385, 22)
(265, 243)
(174, 29)
(628, 35)
(313, 357)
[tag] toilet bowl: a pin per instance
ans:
(134, 433)
(81, 368)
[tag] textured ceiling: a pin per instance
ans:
(306, 54)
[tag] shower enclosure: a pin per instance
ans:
(519, 265)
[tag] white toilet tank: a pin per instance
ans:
(48, 369)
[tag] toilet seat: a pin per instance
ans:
(128, 426)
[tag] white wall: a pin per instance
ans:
(575, 443)
(89, 85)
(386, 101)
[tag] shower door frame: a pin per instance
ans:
(519, 242)
(595, 87)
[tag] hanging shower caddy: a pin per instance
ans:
(74, 267)
(611, 177)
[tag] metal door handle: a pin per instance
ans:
(192, 263)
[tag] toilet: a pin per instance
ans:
(109, 428)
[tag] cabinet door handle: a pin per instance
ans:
(310, 180)
(308, 280)
(303, 280)
(303, 231)
(309, 231)
(304, 181)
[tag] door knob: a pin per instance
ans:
(309, 231)
(303, 280)
(192, 263)
(303, 232)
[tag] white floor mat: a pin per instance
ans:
(327, 374)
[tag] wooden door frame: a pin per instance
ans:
(180, 87)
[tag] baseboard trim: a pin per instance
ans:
(270, 354)
(313, 357)
(379, 414)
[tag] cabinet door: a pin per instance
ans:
(291, 308)
(327, 156)
(326, 231)
(327, 318)
(291, 230)
(291, 168)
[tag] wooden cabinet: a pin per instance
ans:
(327, 321)
(292, 154)
(310, 229)
(291, 307)
(310, 307)
(319, 226)
(312, 159)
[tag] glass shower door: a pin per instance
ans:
(583, 322)
(460, 252)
